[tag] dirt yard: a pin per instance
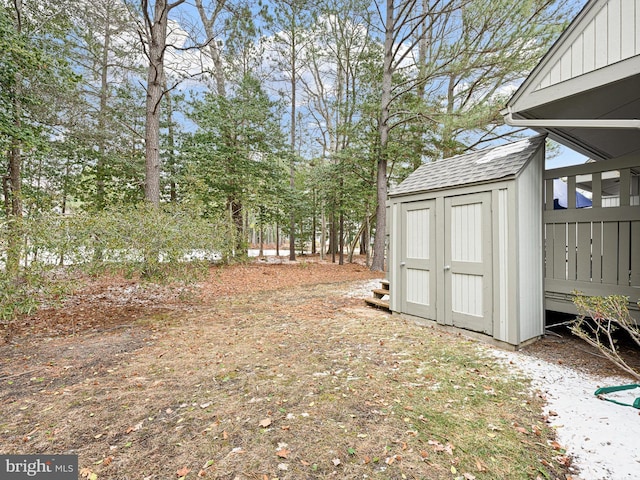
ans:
(264, 371)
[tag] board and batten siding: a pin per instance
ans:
(418, 233)
(393, 272)
(418, 247)
(530, 273)
(466, 233)
(611, 36)
(466, 246)
(502, 256)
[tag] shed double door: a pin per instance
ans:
(446, 264)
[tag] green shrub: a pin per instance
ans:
(166, 244)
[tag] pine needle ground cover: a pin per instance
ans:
(297, 383)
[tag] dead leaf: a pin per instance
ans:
(107, 460)
(481, 467)
(468, 476)
(283, 453)
(437, 446)
(135, 428)
(265, 422)
(336, 461)
(183, 472)
(555, 445)
(522, 430)
(88, 474)
(202, 473)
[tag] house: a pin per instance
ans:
(585, 94)
(518, 253)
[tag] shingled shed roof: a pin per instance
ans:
(489, 164)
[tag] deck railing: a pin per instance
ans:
(593, 249)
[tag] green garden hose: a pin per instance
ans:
(604, 390)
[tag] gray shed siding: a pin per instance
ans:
(493, 286)
(530, 240)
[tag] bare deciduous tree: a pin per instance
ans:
(156, 19)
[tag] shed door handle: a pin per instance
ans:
(447, 267)
(402, 264)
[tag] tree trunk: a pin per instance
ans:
(364, 237)
(235, 208)
(447, 132)
(379, 242)
(314, 225)
(261, 253)
(341, 222)
(171, 154)
(323, 232)
(213, 47)
(14, 183)
(292, 215)
(104, 93)
(15, 219)
(156, 45)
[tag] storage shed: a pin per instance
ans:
(466, 246)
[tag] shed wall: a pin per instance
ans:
(509, 301)
(504, 234)
(529, 242)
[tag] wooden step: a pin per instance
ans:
(380, 292)
(376, 302)
(385, 284)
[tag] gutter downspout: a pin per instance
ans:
(568, 123)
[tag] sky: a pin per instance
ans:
(565, 157)
(190, 60)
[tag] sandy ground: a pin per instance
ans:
(602, 437)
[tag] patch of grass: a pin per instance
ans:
(302, 384)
